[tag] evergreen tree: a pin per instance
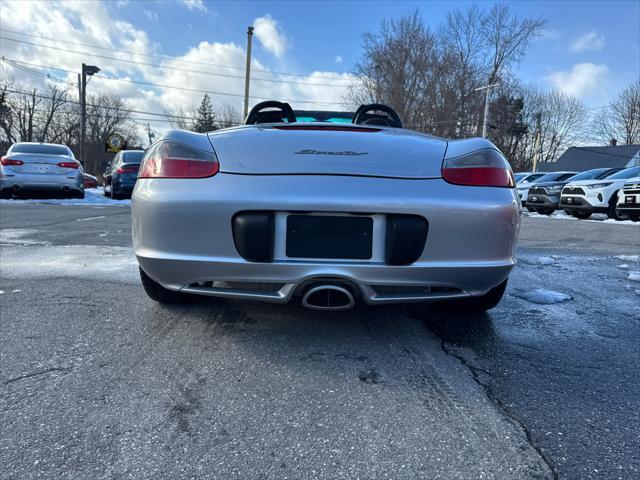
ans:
(205, 116)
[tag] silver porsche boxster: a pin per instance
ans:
(326, 208)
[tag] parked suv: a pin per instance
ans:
(523, 182)
(121, 174)
(629, 200)
(543, 194)
(585, 197)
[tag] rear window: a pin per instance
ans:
(41, 149)
(626, 173)
(133, 157)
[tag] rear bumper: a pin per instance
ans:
(41, 183)
(182, 234)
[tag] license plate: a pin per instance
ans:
(329, 236)
(630, 199)
(534, 199)
(41, 168)
(569, 199)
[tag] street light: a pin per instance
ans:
(86, 70)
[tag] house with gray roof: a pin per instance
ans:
(579, 159)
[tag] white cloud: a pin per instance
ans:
(122, 3)
(267, 31)
(194, 5)
(151, 15)
(582, 80)
(338, 59)
(591, 41)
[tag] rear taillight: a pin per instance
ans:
(128, 169)
(10, 161)
(170, 159)
(484, 168)
(69, 164)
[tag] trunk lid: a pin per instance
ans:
(35, 163)
(329, 149)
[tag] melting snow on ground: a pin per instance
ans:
(542, 296)
(559, 214)
(634, 276)
(628, 258)
(92, 196)
(539, 260)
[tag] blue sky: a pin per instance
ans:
(590, 49)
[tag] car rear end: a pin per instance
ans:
(41, 169)
(268, 212)
(124, 178)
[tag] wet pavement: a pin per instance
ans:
(97, 381)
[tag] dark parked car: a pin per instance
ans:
(121, 174)
(544, 194)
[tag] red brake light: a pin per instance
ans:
(128, 169)
(170, 159)
(10, 161)
(484, 168)
(68, 164)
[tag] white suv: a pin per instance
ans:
(629, 199)
(583, 198)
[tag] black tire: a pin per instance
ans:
(467, 305)
(581, 215)
(611, 211)
(531, 209)
(158, 293)
(545, 211)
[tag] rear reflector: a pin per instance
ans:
(170, 159)
(10, 161)
(484, 168)
(68, 164)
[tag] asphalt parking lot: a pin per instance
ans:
(97, 381)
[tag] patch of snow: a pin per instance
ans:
(628, 258)
(620, 222)
(539, 260)
(542, 296)
(90, 218)
(15, 291)
(624, 266)
(92, 196)
(1, 292)
(117, 264)
(634, 276)
(16, 236)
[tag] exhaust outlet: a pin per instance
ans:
(16, 187)
(328, 297)
(66, 189)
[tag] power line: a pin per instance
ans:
(155, 65)
(166, 57)
(174, 87)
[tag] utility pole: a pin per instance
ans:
(86, 70)
(150, 134)
(247, 71)
(537, 144)
(485, 119)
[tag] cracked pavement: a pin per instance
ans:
(97, 381)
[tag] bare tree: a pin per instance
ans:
(182, 118)
(229, 116)
(620, 119)
(54, 99)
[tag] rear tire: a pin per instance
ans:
(466, 305)
(158, 293)
(532, 210)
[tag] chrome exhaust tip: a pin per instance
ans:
(66, 189)
(328, 297)
(16, 187)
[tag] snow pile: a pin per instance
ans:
(624, 266)
(634, 276)
(92, 196)
(539, 261)
(628, 258)
(542, 296)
